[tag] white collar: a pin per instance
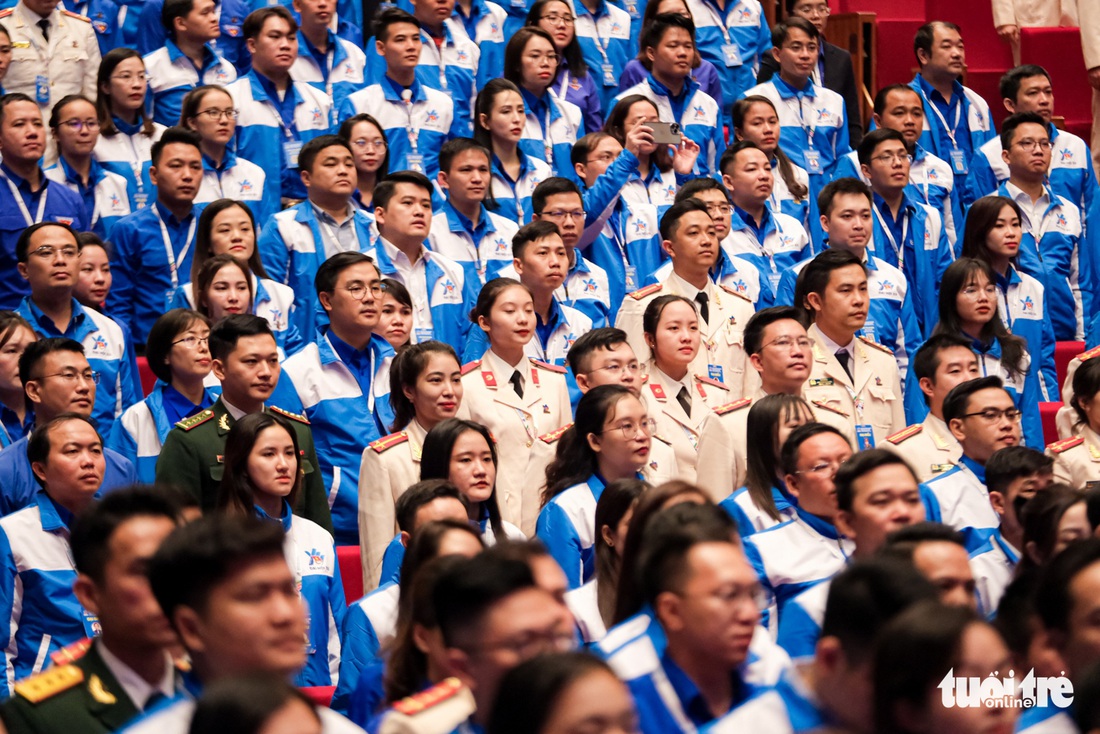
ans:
(1020, 197)
(668, 383)
(502, 368)
(399, 258)
(832, 347)
(233, 410)
(136, 687)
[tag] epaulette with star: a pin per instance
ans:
(876, 345)
(732, 406)
(71, 653)
(1065, 444)
(78, 16)
(649, 290)
(49, 683)
(6, 13)
(547, 366)
(732, 292)
(388, 442)
(711, 381)
(441, 709)
(287, 414)
(555, 435)
(470, 366)
(196, 420)
(1084, 356)
(905, 433)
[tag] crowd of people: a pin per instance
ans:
(497, 295)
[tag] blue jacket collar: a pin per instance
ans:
(957, 91)
(260, 86)
(96, 173)
(392, 90)
(458, 223)
(229, 159)
(525, 166)
(977, 469)
(378, 347)
(285, 519)
(79, 325)
(53, 516)
(690, 86)
(822, 526)
(786, 91)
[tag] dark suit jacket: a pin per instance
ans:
(839, 77)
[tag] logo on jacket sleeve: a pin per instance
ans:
(221, 76)
(99, 345)
(1065, 155)
(317, 560)
(316, 117)
(590, 285)
(1061, 222)
(699, 112)
(246, 186)
(1027, 305)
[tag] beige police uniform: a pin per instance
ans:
(874, 399)
(684, 432)
(721, 339)
(389, 466)
(928, 447)
(1066, 418)
(1077, 459)
(516, 423)
(44, 70)
(660, 468)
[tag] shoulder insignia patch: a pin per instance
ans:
(49, 683)
(287, 414)
(1094, 352)
(711, 381)
(649, 290)
(72, 653)
(70, 14)
(905, 433)
(549, 367)
(1064, 445)
(470, 366)
(732, 292)
(436, 696)
(6, 13)
(876, 345)
(662, 439)
(388, 442)
(555, 435)
(731, 407)
(196, 420)
(825, 406)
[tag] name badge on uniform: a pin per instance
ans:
(869, 330)
(141, 199)
(865, 437)
(92, 626)
(422, 335)
(958, 162)
(609, 79)
(813, 161)
(42, 89)
(822, 382)
(631, 279)
(416, 162)
(940, 468)
(632, 10)
(291, 149)
(714, 372)
(731, 54)
(773, 280)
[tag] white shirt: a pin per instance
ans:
(233, 410)
(500, 367)
(414, 276)
(1033, 210)
(136, 687)
(832, 347)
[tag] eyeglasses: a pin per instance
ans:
(575, 214)
(814, 11)
(192, 341)
(72, 376)
(754, 594)
(376, 144)
(973, 291)
(893, 157)
(558, 18)
(616, 369)
(359, 292)
(539, 56)
(127, 78)
(994, 415)
(213, 114)
(531, 643)
(602, 158)
(713, 209)
(821, 468)
(48, 251)
(787, 342)
(79, 125)
(630, 429)
(1029, 144)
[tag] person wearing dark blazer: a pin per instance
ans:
(834, 67)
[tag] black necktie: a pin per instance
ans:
(704, 306)
(517, 382)
(44, 24)
(845, 360)
(684, 399)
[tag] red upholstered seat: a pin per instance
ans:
(1064, 352)
(351, 571)
(1058, 50)
(1047, 413)
(320, 695)
(148, 379)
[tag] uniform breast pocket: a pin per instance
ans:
(216, 471)
(882, 397)
(833, 397)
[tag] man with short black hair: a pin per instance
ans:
(127, 668)
(330, 57)
(245, 359)
(982, 416)
(940, 554)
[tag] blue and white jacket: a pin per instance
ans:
(57, 203)
(369, 623)
(150, 33)
(172, 75)
(237, 179)
(36, 589)
(695, 111)
(292, 248)
(485, 27)
(1071, 174)
(967, 121)
(1023, 309)
(791, 557)
(145, 273)
(104, 15)
(513, 197)
(139, 432)
(750, 518)
(658, 189)
(18, 485)
(553, 126)
(931, 182)
(959, 498)
(789, 708)
(262, 133)
(636, 650)
(923, 254)
(891, 319)
(800, 625)
(129, 154)
(449, 298)
(1050, 250)
(106, 200)
(604, 38)
(341, 74)
(810, 119)
(415, 131)
(994, 566)
(567, 527)
(552, 348)
(108, 351)
(782, 200)
(317, 383)
(482, 251)
(734, 40)
(783, 245)
(585, 288)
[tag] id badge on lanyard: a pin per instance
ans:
(899, 247)
(414, 159)
(23, 205)
(173, 262)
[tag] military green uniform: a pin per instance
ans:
(192, 458)
(83, 697)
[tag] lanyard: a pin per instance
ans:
(172, 262)
(287, 129)
(601, 42)
(564, 83)
(23, 205)
(720, 22)
(943, 121)
(547, 144)
(330, 231)
(807, 127)
(410, 130)
(899, 249)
